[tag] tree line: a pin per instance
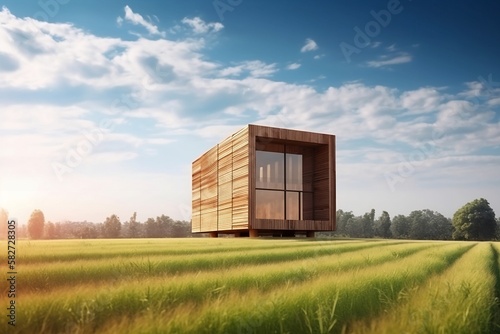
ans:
(160, 227)
(474, 221)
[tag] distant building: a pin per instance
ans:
(266, 181)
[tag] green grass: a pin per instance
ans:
(460, 300)
(257, 286)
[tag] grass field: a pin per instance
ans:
(256, 286)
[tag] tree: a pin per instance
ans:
(354, 227)
(22, 232)
(419, 225)
(342, 219)
(181, 229)
(90, 231)
(400, 227)
(429, 225)
(112, 226)
(165, 225)
(36, 225)
(368, 224)
(152, 230)
(474, 221)
(357, 226)
(133, 226)
(440, 227)
(383, 225)
(498, 228)
(50, 231)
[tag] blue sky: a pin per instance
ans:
(104, 105)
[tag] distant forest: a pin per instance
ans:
(418, 225)
(159, 227)
(474, 221)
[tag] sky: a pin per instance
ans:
(104, 105)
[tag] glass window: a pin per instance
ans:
(270, 204)
(269, 170)
(293, 171)
(280, 181)
(292, 205)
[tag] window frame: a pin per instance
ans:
(284, 190)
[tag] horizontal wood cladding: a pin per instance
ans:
(293, 225)
(196, 195)
(240, 142)
(225, 185)
(333, 182)
(277, 134)
(209, 190)
(220, 186)
(321, 182)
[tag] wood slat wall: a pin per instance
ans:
(293, 225)
(220, 186)
(289, 135)
(240, 179)
(333, 182)
(196, 209)
(321, 184)
(225, 184)
(209, 190)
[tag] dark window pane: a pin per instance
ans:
(292, 206)
(269, 170)
(269, 204)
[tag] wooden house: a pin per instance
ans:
(265, 181)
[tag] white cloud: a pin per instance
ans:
(494, 102)
(474, 89)
(388, 61)
(310, 45)
(111, 157)
(484, 89)
(170, 104)
(391, 48)
(201, 27)
(293, 66)
(137, 19)
(422, 100)
(255, 68)
(55, 55)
